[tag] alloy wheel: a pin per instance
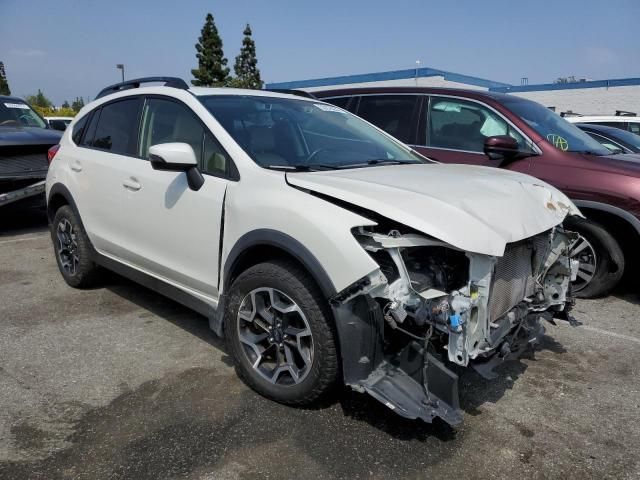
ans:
(275, 336)
(67, 248)
(584, 252)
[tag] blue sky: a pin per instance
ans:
(69, 48)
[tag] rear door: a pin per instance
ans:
(396, 114)
(172, 231)
(96, 167)
(453, 130)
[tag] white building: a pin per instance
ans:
(585, 97)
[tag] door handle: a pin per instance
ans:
(76, 166)
(131, 184)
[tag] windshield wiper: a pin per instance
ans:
(303, 168)
(376, 161)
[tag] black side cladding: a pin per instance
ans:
(396, 379)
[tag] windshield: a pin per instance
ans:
(624, 136)
(289, 133)
(14, 113)
(558, 132)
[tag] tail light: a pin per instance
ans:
(52, 153)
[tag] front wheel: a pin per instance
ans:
(600, 258)
(280, 333)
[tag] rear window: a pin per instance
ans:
(78, 129)
(116, 129)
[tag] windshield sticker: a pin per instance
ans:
(23, 106)
(559, 142)
(328, 108)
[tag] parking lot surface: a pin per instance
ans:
(119, 382)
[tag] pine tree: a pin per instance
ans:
(65, 104)
(77, 104)
(246, 66)
(212, 70)
(39, 100)
(4, 85)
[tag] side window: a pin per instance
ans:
(461, 125)
(87, 139)
(116, 131)
(341, 102)
(634, 127)
(165, 121)
(391, 113)
(215, 160)
(78, 129)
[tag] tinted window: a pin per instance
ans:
(391, 113)
(462, 125)
(165, 121)
(634, 127)
(555, 129)
(78, 129)
(606, 143)
(116, 130)
(87, 140)
(341, 102)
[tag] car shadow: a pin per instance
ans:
(19, 219)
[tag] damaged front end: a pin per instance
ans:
(430, 305)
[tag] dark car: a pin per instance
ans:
(505, 131)
(613, 139)
(24, 142)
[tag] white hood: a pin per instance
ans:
(476, 209)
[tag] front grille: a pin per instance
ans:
(29, 165)
(512, 279)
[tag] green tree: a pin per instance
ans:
(65, 104)
(212, 70)
(77, 104)
(39, 100)
(4, 85)
(246, 66)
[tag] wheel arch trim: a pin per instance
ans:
(618, 212)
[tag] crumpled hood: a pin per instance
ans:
(476, 209)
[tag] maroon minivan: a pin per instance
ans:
(505, 131)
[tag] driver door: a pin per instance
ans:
(453, 130)
(173, 232)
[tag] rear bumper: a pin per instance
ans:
(22, 193)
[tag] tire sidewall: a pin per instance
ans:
(85, 267)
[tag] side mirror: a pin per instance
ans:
(177, 157)
(501, 147)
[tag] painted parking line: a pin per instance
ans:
(611, 334)
(22, 239)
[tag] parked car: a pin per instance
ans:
(484, 128)
(24, 141)
(58, 123)
(630, 123)
(321, 247)
(613, 139)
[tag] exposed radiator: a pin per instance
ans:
(512, 280)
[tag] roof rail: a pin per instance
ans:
(624, 113)
(570, 113)
(299, 93)
(174, 82)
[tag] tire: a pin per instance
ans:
(74, 256)
(609, 259)
(288, 283)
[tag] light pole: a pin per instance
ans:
(120, 66)
(417, 68)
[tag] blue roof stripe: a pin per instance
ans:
(390, 75)
(616, 82)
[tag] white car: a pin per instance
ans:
(630, 123)
(323, 249)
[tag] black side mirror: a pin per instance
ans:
(501, 147)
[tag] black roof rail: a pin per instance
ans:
(624, 113)
(174, 82)
(299, 93)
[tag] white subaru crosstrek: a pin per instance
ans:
(323, 249)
